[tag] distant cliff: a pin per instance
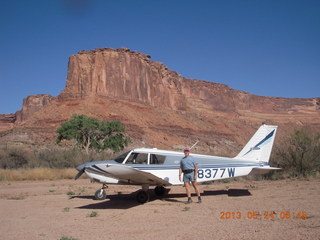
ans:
(133, 76)
(158, 106)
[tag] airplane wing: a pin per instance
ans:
(130, 175)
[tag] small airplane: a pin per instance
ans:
(160, 168)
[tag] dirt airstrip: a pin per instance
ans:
(284, 209)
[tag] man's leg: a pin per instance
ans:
(196, 188)
(187, 185)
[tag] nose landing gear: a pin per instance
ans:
(101, 193)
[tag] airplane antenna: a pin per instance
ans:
(194, 144)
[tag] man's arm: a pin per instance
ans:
(180, 172)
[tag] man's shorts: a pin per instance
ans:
(188, 177)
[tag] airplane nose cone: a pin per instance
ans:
(80, 167)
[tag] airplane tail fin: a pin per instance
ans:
(260, 145)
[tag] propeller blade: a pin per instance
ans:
(79, 174)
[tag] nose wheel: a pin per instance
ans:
(101, 193)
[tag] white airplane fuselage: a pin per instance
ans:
(209, 168)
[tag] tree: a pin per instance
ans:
(90, 133)
(300, 154)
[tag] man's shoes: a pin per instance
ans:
(189, 200)
(199, 200)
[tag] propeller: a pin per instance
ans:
(79, 174)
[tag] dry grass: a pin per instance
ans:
(36, 174)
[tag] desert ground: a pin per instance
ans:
(283, 209)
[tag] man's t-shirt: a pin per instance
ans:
(187, 163)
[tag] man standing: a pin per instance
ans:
(189, 168)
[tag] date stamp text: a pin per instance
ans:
(265, 215)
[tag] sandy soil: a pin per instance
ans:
(235, 210)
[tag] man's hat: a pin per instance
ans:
(186, 150)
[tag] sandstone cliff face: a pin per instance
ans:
(158, 107)
(32, 104)
(122, 74)
(133, 76)
(7, 121)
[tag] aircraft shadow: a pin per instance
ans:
(230, 193)
(126, 201)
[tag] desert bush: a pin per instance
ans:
(92, 214)
(67, 238)
(299, 154)
(59, 158)
(36, 174)
(14, 158)
(67, 158)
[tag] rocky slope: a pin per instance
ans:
(159, 107)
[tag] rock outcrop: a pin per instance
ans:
(125, 75)
(7, 121)
(159, 107)
(133, 76)
(32, 104)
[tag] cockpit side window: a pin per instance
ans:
(137, 158)
(157, 159)
(122, 157)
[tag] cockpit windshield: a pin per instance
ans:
(121, 158)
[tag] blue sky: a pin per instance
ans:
(264, 47)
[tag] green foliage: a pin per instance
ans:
(300, 154)
(67, 238)
(92, 214)
(186, 209)
(66, 209)
(90, 133)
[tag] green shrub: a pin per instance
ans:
(299, 154)
(67, 238)
(90, 133)
(92, 214)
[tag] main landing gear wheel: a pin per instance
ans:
(159, 190)
(100, 194)
(142, 196)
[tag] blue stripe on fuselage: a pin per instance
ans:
(175, 167)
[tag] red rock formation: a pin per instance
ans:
(125, 75)
(32, 104)
(132, 76)
(7, 121)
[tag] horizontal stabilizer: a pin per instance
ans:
(262, 170)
